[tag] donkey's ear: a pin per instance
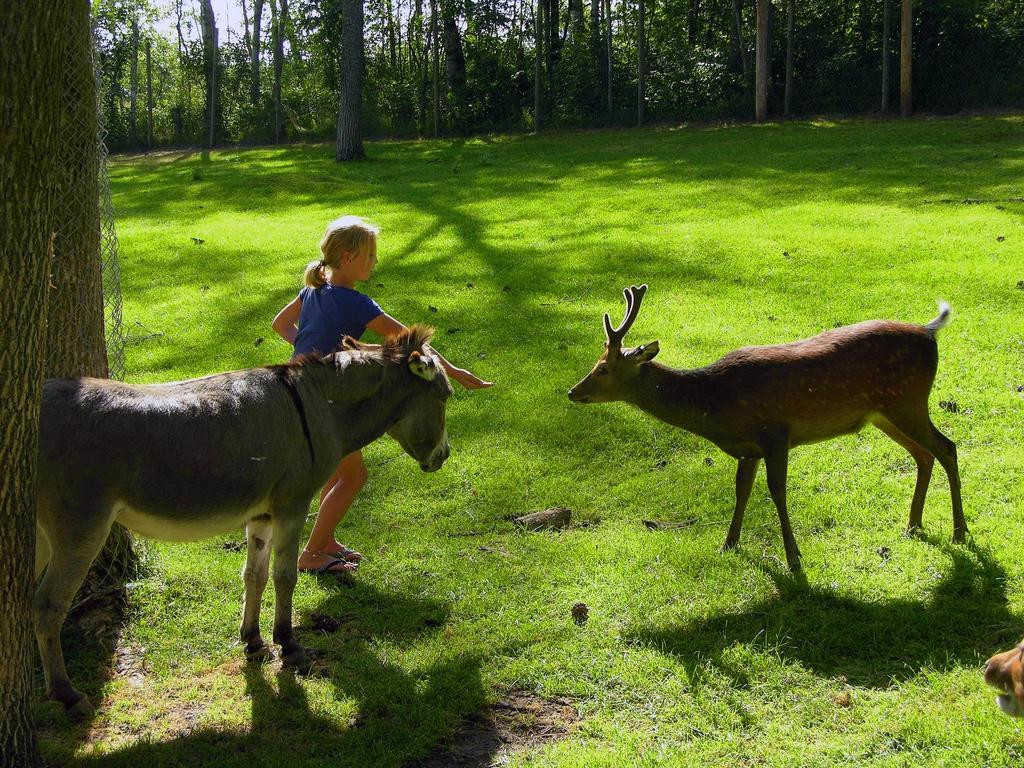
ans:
(422, 366)
(645, 352)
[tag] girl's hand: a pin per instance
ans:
(468, 379)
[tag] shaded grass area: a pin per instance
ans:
(513, 247)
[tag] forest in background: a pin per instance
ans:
(457, 67)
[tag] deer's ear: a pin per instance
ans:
(646, 352)
(422, 366)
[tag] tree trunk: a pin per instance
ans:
(149, 95)
(641, 60)
(133, 119)
(455, 66)
(761, 90)
(790, 19)
(538, 29)
(277, 43)
(737, 28)
(350, 108)
(886, 38)
(906, 28)
(436, 59)
(608, 50)
(208, 23)
(255, 45)
(692, 22)
(31, 64)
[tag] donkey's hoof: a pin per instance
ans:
(260, 654)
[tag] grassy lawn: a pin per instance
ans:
(513, 247)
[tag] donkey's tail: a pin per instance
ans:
(941, 321)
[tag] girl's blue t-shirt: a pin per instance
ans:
(330, 313)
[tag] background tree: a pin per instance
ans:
(350, 138)
(31, 65)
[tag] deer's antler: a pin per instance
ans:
(634, 295)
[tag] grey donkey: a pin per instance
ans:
(187, 460)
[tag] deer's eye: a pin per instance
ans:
(601, 372)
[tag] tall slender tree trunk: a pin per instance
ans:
(906, 31)
(455, 65)
(538, 51)
(209, 27)
(737, 27)
(608, 50)
(886, 39)
(641, 60)
(350, 108)
(149, 95)
(790, 21)
(436, 60)
(277, 43)
(255, 45)
(133, 119)
(761, 74)
(31, 65)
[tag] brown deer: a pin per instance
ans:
(758, 402)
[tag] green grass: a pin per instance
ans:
(746, 235)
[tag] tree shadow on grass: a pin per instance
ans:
(874, 644)
(401, 714)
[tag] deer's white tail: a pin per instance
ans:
(941, 321)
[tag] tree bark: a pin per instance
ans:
(436, 60)
(608, 50)
(350, 107)
(790, 20)
(538, 29)
(741, 48)
(277, 43)
(761, 74)
(641, 60)
(208, 23)
(31, 65)
(886, 38)
(906, 29)
(454, 65)
(255, 45)
(133, 119)
(149, 95)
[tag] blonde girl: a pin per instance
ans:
(326, 310)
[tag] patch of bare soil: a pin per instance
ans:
(520, 720)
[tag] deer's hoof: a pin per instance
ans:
(959, 536)
(914, 532)
(729, 546)
(298, 661)
(261, 654)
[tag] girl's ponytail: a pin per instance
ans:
(314, 277)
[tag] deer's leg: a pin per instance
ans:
(746, 471)
(73, 547)
(924, 460)
(287, 528)
(258, 534)
(776, 464)
(920, 429)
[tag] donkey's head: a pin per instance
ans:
(417, 392)
(616, 371)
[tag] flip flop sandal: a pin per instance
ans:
(328, 567)
(346, 554)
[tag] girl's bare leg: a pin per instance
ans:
(335, 499)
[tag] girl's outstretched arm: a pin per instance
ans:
(287, 319)
(385, 326)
